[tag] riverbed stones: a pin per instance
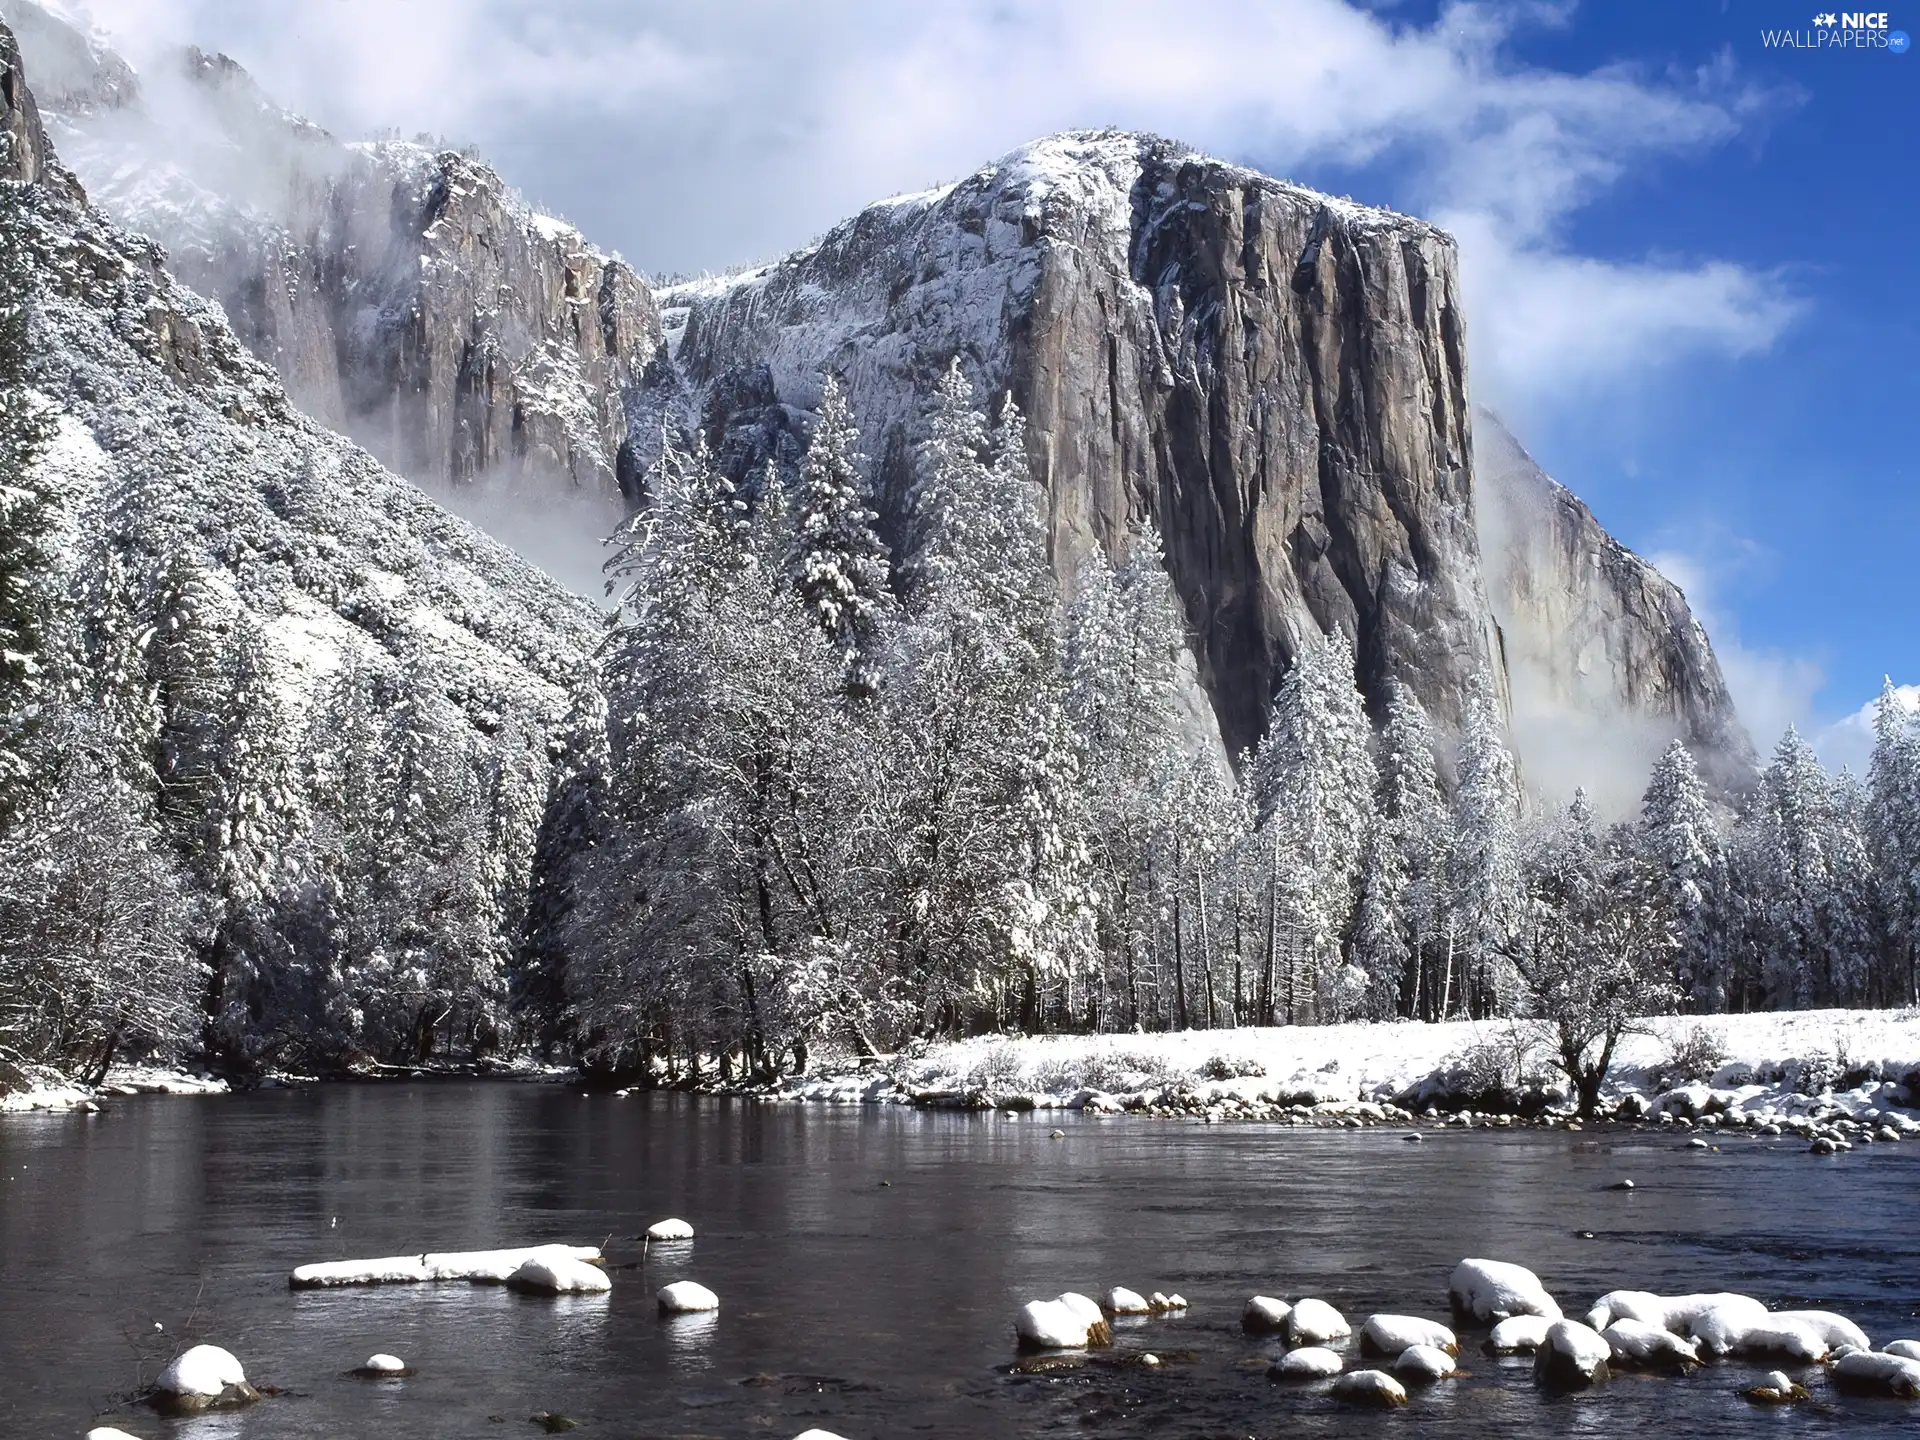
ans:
(1572, 1357)
(1778, 1388)
(1423, 1364)
(203, 1378)
(557, 1274)
(1867, 1372)
(1309, 1362)
(670, 1230)
(1492, 1290)
(384, 1367)
(1518, 1335)
(1315, 1322)
(686, 1297)
(1389, 1335)
(1265, 1315)
(1369, 1389)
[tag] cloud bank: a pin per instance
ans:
(702, 133)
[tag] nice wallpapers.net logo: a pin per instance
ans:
(1865, 30)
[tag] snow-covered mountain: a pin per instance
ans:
(1275, 377)
(405, 294)
(310, 651)
(1278, 379)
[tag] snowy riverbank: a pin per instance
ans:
(48, 1091)
(1804, 1071)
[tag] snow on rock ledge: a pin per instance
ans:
(558, 1274)
(1492, 1290)
(203, 1378)
(482, 1267)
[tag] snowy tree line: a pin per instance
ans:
(195, 862)
(829, 795)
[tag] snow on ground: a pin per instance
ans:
(1797, 1069)
(482, 1267)
(45, 1090)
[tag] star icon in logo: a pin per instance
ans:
(1829, 18)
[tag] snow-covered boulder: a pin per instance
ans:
(1392, 1334)
(1778, 1388)
(555, 1274)
(1518, 1334)
(1572, 1357)
(1423, 1363)
(1906, 1349)
(107, 1432)
(1490, 1290)
(1373, 1388)
(1836, 1330)
(483, 1267)
(1099, 1332)
(1265, 1315)
(1778, 1338)
(1122, 1301)
(1315, 1322)
(685, 1297)
(817, 1435)
(1637, 1345)
(1051, 1325)
(384, 1367)
(670, 1230)
(203, 1378)
(1868, 1372)
(1677, 1313)
(1309, 1362)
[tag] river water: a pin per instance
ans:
(869, 1261)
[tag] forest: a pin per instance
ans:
(819, 790)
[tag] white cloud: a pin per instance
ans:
(696, 134)
(1849, 741)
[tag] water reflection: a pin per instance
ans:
(870, 1262)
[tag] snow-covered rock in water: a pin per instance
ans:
(203, 1378)
(817, 1435)
(1369, 1387)
(1906, 1349)
(1310, 1362)
(1099, 1329)
(1777, 1338)
(1122, 1301)
(1315, 1322)
(1490, 1290)
(1265, 1315)
(1637, 1345)
(1425, 1362)
(1572, 1357)
(107, 1432)
(1051, 1325)
(1836, 1330)
(685, 1297)
(1518, 1334)
(1677, 1313)
(1868, 1372)
(1391, 1334)
(384, 1365)
(555, 1274)
(1161, 1304)
(482, 1267)
(1778, 1388)
(670, 1230)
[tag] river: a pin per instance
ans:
(869, 1262)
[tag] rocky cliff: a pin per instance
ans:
(1601, 648)
(1275, 378)
(404, 293)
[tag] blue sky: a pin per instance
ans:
(1689, 259)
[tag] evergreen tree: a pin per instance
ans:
(27, 517)
(1681, 841)
(1484, 877)
(838, 563)
(1418, 839)
(1893, 838)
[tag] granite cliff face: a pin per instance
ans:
(406, 296)
(1593, 635)
(1275, 378)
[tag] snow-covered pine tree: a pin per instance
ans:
(1789, 883)
(1414, 816)
(27, 516)
(1681, 841)
(1312, 782)
(838, 562)
(1893, 837)
(1484, 876)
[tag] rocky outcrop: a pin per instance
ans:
(405, 295)
(1600, 646)
(1275, 378)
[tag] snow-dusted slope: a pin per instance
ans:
(1277, 377)
(405, 294)
(1603, 651)
(178, 455)
(1274, 376)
